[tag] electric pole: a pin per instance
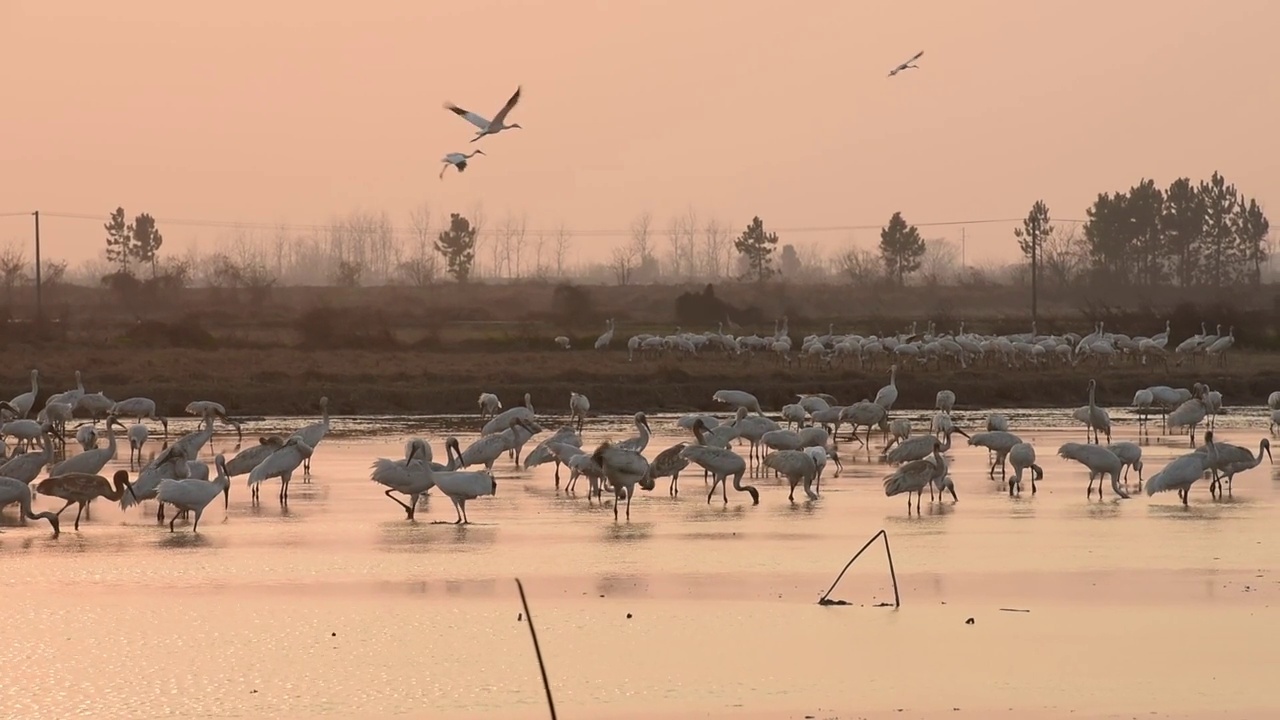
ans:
(39, 302)
(1035, 247)
(962, 248)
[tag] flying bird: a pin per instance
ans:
(458, 160)
(488, 127)
(907, 65)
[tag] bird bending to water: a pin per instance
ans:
(281, 464)
(1022, 457)
(489, 127)
(915, 475)
(908, 65)
(458, 160)
(80, 488)
(410, 476)
(1100, 461)
(13, 490)
(194, 494)
(721, 463)
(1184, 471)
(624, 469)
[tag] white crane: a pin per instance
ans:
(1100, 461)
(997, 422)
(194, 495)
(87, 436)
(458, 160)
(624, 469)
(1181, 473)
(888, 394)
(998, 441)
(96, 404)
(502, 420)
(461, 486)
(602, 342)
(579, 406)
(71, 397)
(908, 65)
(796, 466)
(140, 408)
(410, 476)
(721, 463)
(21, 404)
(207, 408)
(899, 430)
(137, 438)
(91, 461)
(640, 440)
(563, 341)
(26, 431)
(1023, 457)
(487, 449)
(57, 414)
(1190, 413)
(1232, 459)
(738, 399)
(1143, 403)
(489, 405)
(912, 477)
(558, 449)
(27, 466)
(920, 447)
(13, 490)
(312, 434)
(1130, 454)
(281, 464)
(488, 127)
(246, 460)
(945, 401)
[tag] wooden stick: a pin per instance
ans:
(542, 667)
(897, 600)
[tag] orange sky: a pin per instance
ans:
(296, 111)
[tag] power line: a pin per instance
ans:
(15, 214)
(238, 225)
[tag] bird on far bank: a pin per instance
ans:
(488, 127)
(458, 160)
(908, 65)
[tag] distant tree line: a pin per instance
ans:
(1206, 234)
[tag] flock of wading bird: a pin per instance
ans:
(175, 476)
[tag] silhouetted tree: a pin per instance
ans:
(1253, 228)
(1223, 258)
(1182, 225)
(458, 246)
(1035, 228)
(1109, 251)
(118, 240)
(145, 241)
(789, 262)
(756, 247)
(901, 248)
(1144, 206)
(13, 266)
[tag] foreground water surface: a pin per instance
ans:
(337, 606)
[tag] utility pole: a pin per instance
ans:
(1035, 247)
(962, 247)
(39, 301)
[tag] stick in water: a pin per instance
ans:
(896, 599)
(528, 616)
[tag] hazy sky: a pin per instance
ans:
(297, 111)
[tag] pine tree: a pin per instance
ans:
(901, 248)
(145, 241)
(458, 246)
(118, 240)
(756, 248)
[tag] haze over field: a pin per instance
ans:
(290, 112)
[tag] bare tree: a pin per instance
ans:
(420, 227)
(623, 263)
(688, 229)
(675, 256)
(13, 268)
(514, 230)
(715, 245)
(940, 261)
(477, 223)
(861, 266)
(812, 261)
(539, 267)
(563, 240)
(1064, 255)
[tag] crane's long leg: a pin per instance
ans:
(407, 509)
(81, 510)
(172, 521)
(196, 524)
(458, 509)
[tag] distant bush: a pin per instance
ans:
(571, 304)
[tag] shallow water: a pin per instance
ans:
(337, 606)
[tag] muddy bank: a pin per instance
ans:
(289, 382)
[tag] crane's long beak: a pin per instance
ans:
(226, 497)
(413, 451)
(962, 432)
(1271, 459)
